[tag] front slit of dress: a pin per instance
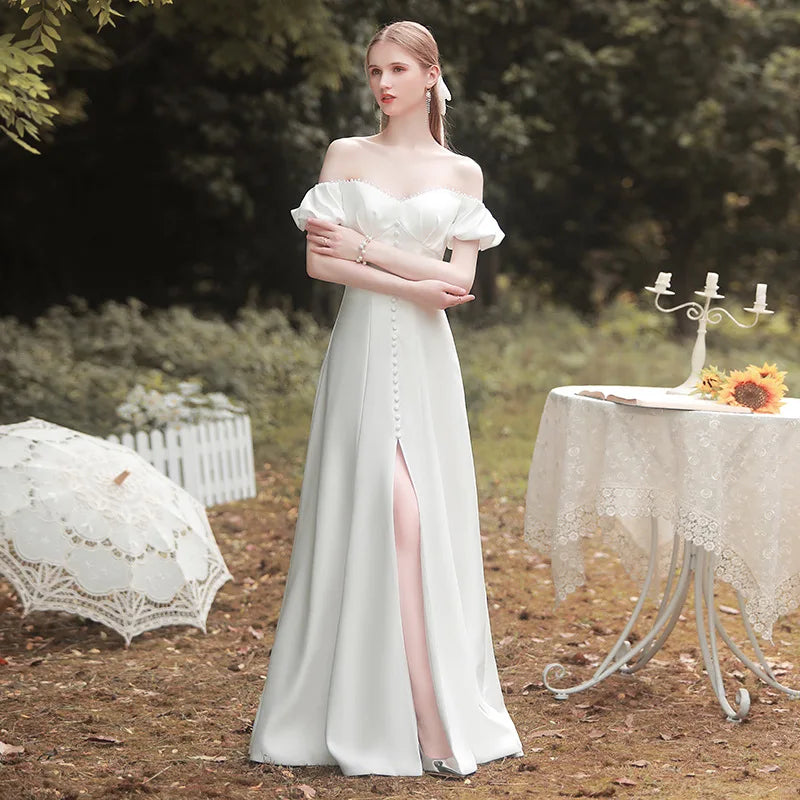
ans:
(399, 448)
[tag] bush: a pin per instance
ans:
(74, 366)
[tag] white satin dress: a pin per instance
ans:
(337, 689)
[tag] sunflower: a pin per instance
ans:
(750, 388)
(772, 371)
(711, 380)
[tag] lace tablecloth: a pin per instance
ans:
(729, 483)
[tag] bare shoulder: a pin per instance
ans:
(467, 175)
(341, 158)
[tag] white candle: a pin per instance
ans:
(711, 283)
(761, 294)
(662, 281)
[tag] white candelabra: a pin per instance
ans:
(705, 315)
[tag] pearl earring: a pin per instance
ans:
(428, 101)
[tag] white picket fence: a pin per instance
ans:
(213, 461)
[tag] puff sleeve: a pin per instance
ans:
(324, 201)
(474, 221)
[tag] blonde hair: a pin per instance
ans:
(419, 42)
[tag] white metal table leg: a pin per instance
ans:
(704, 595)
(762, 670)
(622, 653)
(627, 660)
(671, 606)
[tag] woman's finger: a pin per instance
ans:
(319, 240)
(319, 225)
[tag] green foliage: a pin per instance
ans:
(23, 92)
(74, 366)
(24, 95)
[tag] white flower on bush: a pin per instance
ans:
(172, 400)
(188, 388)
(137, 394)
(220, 401)
(127, 410)
(152, 409)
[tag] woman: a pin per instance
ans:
(383, 659)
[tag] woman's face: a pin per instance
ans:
(397, 79)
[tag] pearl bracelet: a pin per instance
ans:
(361, 250)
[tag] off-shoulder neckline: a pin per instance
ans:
(402, 198)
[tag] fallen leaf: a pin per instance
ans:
(770, 768)
(547, 732)
(307, 790)
(608, 791)
(641, 763)
(578, 658)
(209, 758)
(3, 662)
(103, 740)
(256, 634)
(597, 734)
(729, 610)
(625, 782)
(601, 630)
(10, 750)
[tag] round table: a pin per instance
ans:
(691, 493)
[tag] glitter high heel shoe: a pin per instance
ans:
(441, 767)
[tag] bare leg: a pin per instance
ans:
(432, 736)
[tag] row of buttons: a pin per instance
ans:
(395, 369)
(395, 381)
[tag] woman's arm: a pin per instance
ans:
(460, 270)
(329, 239)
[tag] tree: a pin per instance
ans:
(619, 138)
(634, 136)
(200, 123)
(24, 94)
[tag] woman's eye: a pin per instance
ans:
(398, 69)
(375, 71)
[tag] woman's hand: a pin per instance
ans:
(330, 239)
(435, 295)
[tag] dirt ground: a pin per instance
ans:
(170, 717)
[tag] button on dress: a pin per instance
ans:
(337, 689)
